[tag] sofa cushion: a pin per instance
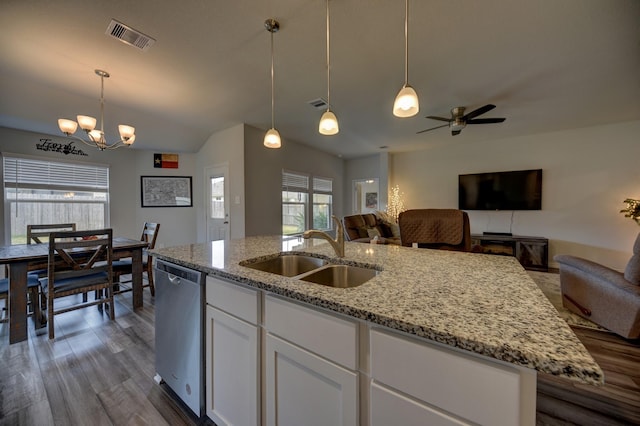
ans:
(363, 232)
(370, 220)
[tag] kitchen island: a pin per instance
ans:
(470, 305)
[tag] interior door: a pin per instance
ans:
(217, 202)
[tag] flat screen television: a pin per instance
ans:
(515, 190)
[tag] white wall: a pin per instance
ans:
(224, 147)
(586, 175)
(126, 165)
(264, 179)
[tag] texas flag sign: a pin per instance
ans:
(165, 161)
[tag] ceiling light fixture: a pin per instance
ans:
(406, 103)
(272, 137)
(88, 124)
(328, 121)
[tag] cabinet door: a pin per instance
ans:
(391, 408)
(232, 370)
(305, 389)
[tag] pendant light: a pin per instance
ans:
(272, 137)
(328, 122)
(406, 103)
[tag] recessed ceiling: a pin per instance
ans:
(546, 65)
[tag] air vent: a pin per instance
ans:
(128, 35)
(318, 103)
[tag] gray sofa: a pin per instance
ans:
(605, 296)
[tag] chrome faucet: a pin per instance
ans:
(337, 244)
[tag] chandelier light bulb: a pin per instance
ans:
(87, 123)
(272, 139)
(68, 127)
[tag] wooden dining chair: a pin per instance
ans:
(37, 233)
(124, 266)
(79, 262)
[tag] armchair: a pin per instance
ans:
(442, 229)
(602, 295)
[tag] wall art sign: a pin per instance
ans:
(66, 149)
(166, 191)
(165, 161)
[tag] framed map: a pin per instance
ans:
(166, 191)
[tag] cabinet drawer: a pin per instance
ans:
(234, 299)
(464, 385)
(324, 334)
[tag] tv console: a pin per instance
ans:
(504, 234)
(531, 252)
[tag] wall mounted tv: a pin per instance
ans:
(515, 190)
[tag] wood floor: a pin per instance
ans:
(100, 372)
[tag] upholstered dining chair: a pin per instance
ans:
(79, 262)
(33, 288)
(124, 266)
(605, 296)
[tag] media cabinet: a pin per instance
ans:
(531, 252)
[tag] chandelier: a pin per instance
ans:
(88, 124)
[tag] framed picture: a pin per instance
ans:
(371, 200)
(166, 191)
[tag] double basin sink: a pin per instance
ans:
(314, 269)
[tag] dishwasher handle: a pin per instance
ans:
(173, 279)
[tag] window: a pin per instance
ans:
(295, 201)
(322, 203)
(42, 191)
(297, 214)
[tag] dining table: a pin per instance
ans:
(23, 258)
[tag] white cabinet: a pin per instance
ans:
(305, 389)
(311, 359)
(232, 354)
(446, 385)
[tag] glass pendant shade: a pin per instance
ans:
(68, 127)
(126, 131)
(129, 141)
(95, 135)
(272, 139)
(406, 103)
(86, 123)
(328, 124)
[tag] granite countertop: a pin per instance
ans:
(481, 303)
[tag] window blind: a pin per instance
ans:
(34, 173)
(294, 181)
(323, 185)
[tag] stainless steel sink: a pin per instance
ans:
(341, 276)
(288, 265)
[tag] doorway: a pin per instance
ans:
(366, 194)
(217, 202)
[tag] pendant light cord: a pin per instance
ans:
(272, 91)
(102, 105)
(406, 42)
(328, 63)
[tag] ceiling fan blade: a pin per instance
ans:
(438, 118)
(479, 111)
(455, 132)
(433, 128)
(485, 120)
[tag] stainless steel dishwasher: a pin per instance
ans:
(179, 306)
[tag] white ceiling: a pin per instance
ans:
(548, 65)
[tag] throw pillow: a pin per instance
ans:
(362, 232)
(632, 272)
(395, 230)
(373, 232)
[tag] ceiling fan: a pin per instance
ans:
(459, 119)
